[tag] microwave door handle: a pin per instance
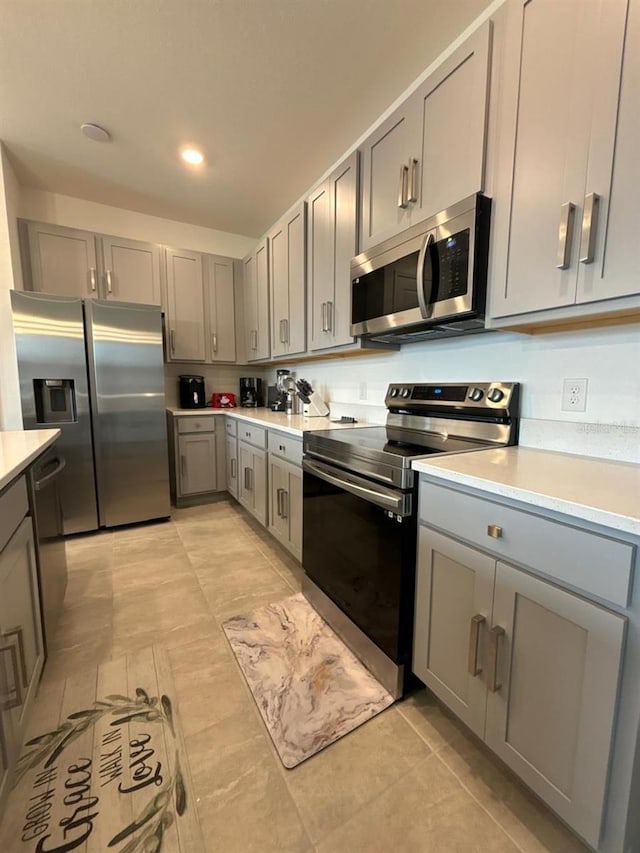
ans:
(424, 303)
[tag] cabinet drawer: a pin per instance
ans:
(286, 446)
(14, 505)
(193, 424)
(587, 561)
(231, 426)
(252, 434)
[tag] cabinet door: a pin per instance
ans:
(232, 465)
(63, 260)
(131, 271)
(451, 110)
(221, 309)
(197, 454)
(185, 309)
(6, 739)
(454, 591)
(245, 473)
(278, 524)
(321, 245)
(615, 271)
(344, 215)
(551, 713)
(287, 244)
(279, 278)
(250, 305)
(385, 171)
(566, 53)
(256, 289)
(21, 655)
(259, 486)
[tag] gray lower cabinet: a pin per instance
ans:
(197, 463)
(532, 668)
(197, 447)
(252, 483)
(232, 465)
(285, 504)
(21, 644)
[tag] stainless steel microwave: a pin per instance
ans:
(429, 281)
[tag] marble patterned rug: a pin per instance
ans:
(309, 687)
(104, 766)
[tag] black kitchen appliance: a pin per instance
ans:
(251, 392)
(360, 499)
(192, 394)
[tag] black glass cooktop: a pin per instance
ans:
(366, 441)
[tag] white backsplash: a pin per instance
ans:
(609, 358)
(219, 379)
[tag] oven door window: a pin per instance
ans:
(364, 560)
(388, 290)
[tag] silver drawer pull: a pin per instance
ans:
(92, 279)
(474, 640)
(234, 467)
(403, 189)
(589, 228)
(413, 180)
(494, 531)
(494, 636)
(109, 277)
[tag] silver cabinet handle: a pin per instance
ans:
(494, 636)
(214, 343)
(183, 465)
(285, 504)
(172, 341)
(93, 279)
(589, 228)
(109, 277)
(324, 316)
(246, 481)
(413, 180)
(425, 305)
(402, 189)
(234, 468)
(286, 331)
(474, 640)
(248, 478)
(280, 338)
(255, 339)
(329, 316)
(565, 233)
(279, 503)
(8, 704)
(495, 531)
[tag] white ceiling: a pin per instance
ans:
(274, 91)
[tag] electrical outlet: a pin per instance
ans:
(362, 393)
(574, 395)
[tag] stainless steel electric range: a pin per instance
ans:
(360, 511)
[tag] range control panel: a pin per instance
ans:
(485, 395)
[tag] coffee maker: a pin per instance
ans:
(250, 392)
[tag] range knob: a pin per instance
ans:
(495, 395)
(394, 392)
(476, 394)
(406, 392)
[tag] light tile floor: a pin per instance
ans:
(412, 779)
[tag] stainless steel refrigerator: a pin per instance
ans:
(94, 369)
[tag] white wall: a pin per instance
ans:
(91, 216)
(608, 357)
(10, 276)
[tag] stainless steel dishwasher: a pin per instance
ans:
(51, 552)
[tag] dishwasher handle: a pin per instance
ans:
(40, 483)
(389, 499)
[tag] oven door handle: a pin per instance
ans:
(399, 503)
(426, 306)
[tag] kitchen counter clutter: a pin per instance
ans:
(595, 490)
(19, 448)
(291, 424)
(527, 622)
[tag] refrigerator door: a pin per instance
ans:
(54, 392)
(126, 373)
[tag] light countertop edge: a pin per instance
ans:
(19, 448)
(292, 424)
(595, 490)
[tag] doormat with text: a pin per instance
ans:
(103, 766)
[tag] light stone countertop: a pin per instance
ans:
(19, 448)
(291, 424)
(595, 490)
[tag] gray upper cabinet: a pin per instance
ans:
(221, 314)
(332, 228)
(430, 152)
(558, 131)
(131, 271)
(61, 260)
(256, 302)
(185, 306)
(287, 251)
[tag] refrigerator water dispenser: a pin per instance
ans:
(55, 401)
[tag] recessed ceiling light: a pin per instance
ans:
(192, 156)
(95, 132)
